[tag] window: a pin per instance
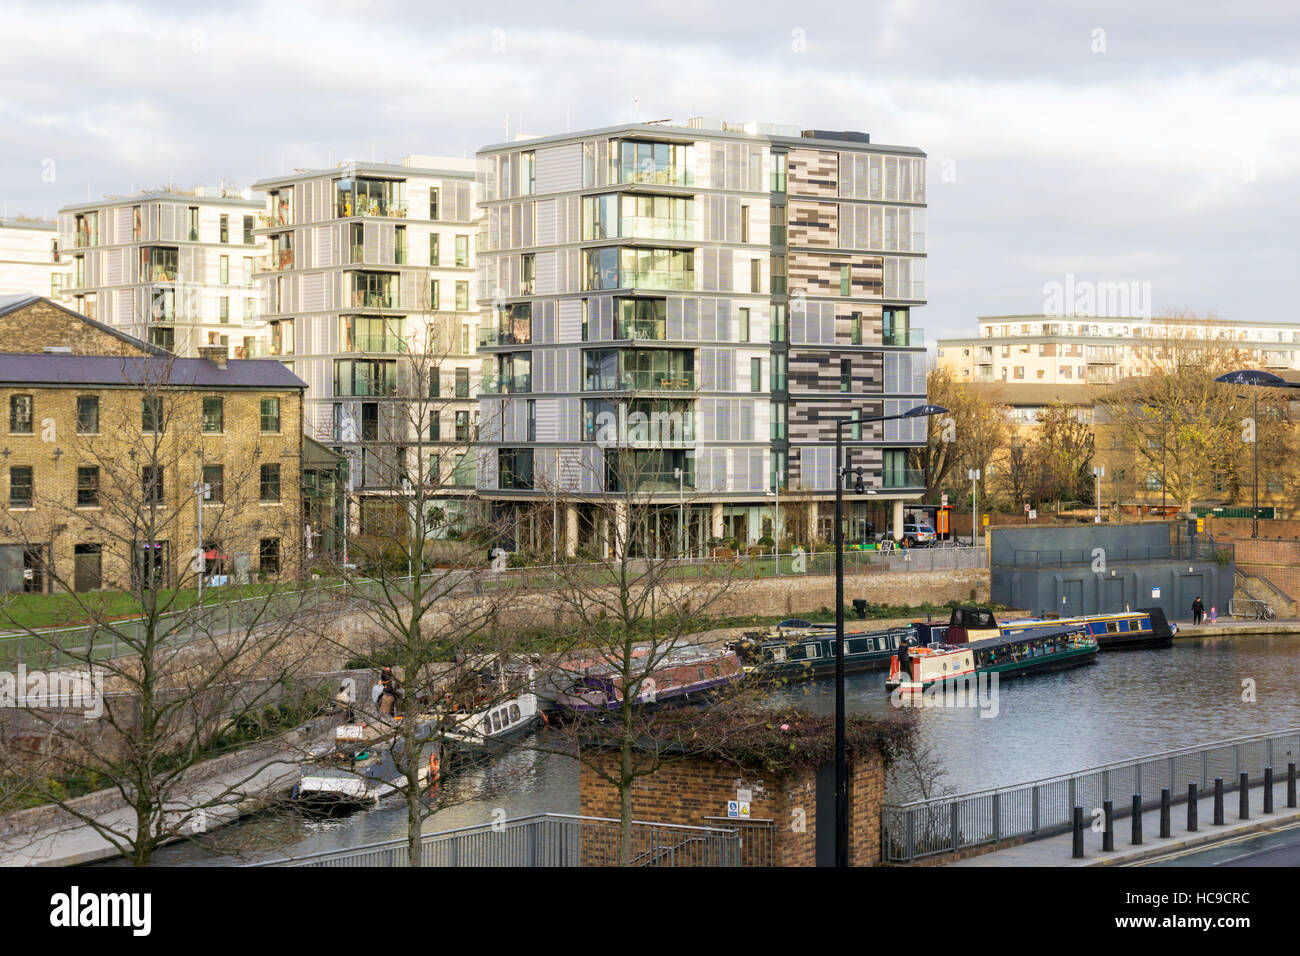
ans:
(434, 252)
(855, 329)
(527, 173)
(270, 483)
(435, 426)
(462, 250)
(20, 414)
(20, 486)
(268, 555)
(744, 325)
(778, 323)
(756, 375)
(225, 228)
(464, 338)
(528, 276)
(270, 416)
(846, 374)
(778, 421)
(462, 296)
(87, 414)
(214, 476)
(435, 299)
(846, 280)
(87, 487)
(462, 383)
(223, 308)
(779, 361)
(399, 245)
(151, 485)
(532, 420)
(214, 415)
(756, 275)
(192, 217)
(433, 209)
(744, 224)
(248, 230)
(151, 413)
(248, 280)
(462, 426)
(435, 382)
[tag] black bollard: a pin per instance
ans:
(1268, 789)
(1078, 833)
(1137, 819)
(1290, 785)
(1243, 805)
(1165, 828)
(1218, 801)
(1191, 808)
(1108, 834)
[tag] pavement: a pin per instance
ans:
(1057, 850)
(240, 788)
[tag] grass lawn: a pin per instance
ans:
(19, 611)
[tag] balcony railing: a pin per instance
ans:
(676, 381)
(507, 384)
(656, 330)
(490, 337)
(903, 337)
(658, 279)
(363, 299)
(271, 220)
(370, 207)
(652, 227)
(376, 343)
(903, 478)
(275, 262)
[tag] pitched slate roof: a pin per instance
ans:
(62, 369)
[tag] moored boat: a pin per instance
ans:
(1032, 650)
(796, 649)
(685, 674)
(1121, 630)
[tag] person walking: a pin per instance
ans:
(1198, 610)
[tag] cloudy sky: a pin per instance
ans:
(1156, 143)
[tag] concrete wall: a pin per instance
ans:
(1080, 590)
(1116, 539)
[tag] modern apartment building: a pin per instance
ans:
(369, 292)
(29, 258)
(173, 268)
(1077, 349)
(693, 306)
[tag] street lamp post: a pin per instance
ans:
(841, 754)
(974, 475)
(1098, 471)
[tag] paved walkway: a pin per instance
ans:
(1056, 850)
(243, 788)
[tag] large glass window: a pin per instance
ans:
(657, 268)
(269, 482)
(21, 492)
(87, 486)
(151, 413)
(602, 269)
(364, 377)
(657, 217)
(661, 163)
(600, 216)
(270, 416)
(87, 414)
(20, 414)
(159, 263)
(214, 415)
(369, 197)
(515, 468)
(642, 318)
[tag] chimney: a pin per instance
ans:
(216, 354)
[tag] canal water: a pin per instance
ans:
(1126, 705)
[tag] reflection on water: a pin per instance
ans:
(1127, 704)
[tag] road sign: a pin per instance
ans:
(733, 808)
(943, 502)
(1026, 508)
(1033, 513)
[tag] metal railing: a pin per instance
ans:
(912, 831)
(1185, 550)
(1251, 608)
(52, 648)
(545, 839)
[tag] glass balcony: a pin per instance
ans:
(650, 227)
(658, 279)
(275, 262)
(681, 380)
(363, 299)
(903, 478)
(376, 207)
(644, 329)
(378, 343)
(903, 337)
(506, 384)
(490, 337)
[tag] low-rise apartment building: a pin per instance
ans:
(115, 447)
(29, 258)
(172, 268)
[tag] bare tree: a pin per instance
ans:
(178, 681)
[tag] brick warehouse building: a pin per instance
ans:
(110, 443)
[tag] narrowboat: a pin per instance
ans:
(795, 649)
(1124, 630)
(356, 771)
(685, 675)
(1033, 650)
(493, 727)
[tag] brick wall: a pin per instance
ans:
(694, 792)
(43, 323)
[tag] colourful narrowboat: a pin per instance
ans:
(1123, 630)
(796, 649)
(1033, 650)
